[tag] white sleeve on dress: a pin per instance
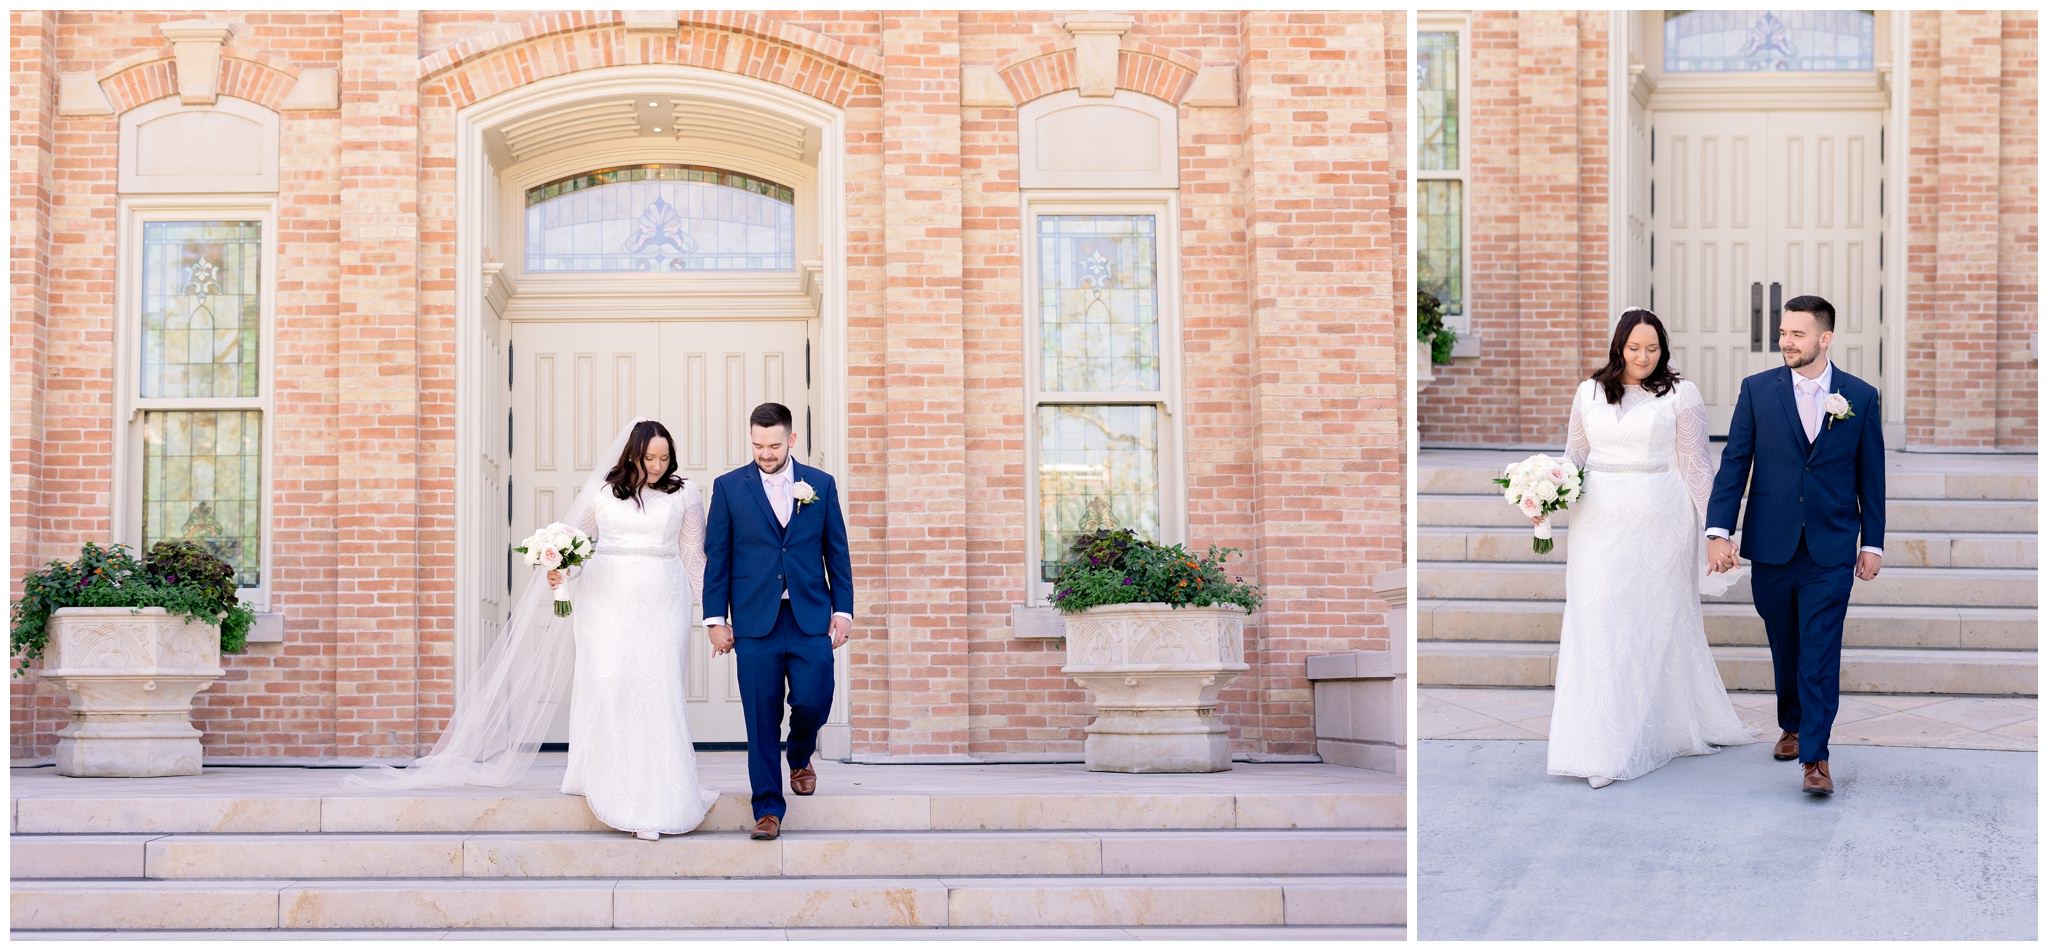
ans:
(692, 545)
(1576, 448)
(1695, 465)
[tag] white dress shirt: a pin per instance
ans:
(1826, 382)
(779, 487)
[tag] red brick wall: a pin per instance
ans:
(1291, 210)
(1972, 234)
(1536, 185)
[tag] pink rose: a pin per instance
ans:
(1531, 507)
(550, 558)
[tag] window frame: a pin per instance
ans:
(1460, 24)
(1164, 206)
(129, 405)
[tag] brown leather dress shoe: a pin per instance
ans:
(1787, 748)
(804, 781)
(768, 828)
(1818, 782)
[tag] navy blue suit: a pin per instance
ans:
(750, 559)
(1808, 504)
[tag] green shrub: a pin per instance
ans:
(1115, 566)
(1430, 329)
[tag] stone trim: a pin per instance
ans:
(746, 24)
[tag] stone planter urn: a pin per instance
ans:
(1154, 672)
(131, 675)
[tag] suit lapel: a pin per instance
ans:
(760, 494)
(1788, 395)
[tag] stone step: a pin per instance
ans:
(800, 854)
(1901, 549)
(1163, 933)
(1901, 515)
(1738, 625)
(476, 810)
(1901, 483)
(1864, 670)
(1097, 901)
(1979, 587)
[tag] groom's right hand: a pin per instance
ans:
(721, 639)
(1720, 554)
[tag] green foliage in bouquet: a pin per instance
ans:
(181, 577)
(1115, 566)
(1430, 328)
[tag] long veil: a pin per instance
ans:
(503, 713)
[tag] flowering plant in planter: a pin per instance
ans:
(1115, 566)
(181, 577)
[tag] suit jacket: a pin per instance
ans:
(749, 558)
(1829, 489)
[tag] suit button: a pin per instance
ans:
(1802, 498)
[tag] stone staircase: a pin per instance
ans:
(291, 854)
(1954, 611)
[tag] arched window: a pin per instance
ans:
(1756, 41)
(660, 219)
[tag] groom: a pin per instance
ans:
(1815, 438)
(776, 568)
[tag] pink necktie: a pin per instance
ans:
(1809, 408)
(780, 499)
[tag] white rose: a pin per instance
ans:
(803, 493)
(1836, 405)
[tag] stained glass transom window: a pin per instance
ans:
(1098, 467)
(1098, 287)
(659, 219)
(1436, 99)
(201, 311)
(202, 481)
(1754, 41)
(1439, 255)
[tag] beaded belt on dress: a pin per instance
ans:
(1629, 467)
(655, 551)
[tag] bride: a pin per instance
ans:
(630, 755)
(1636, 682)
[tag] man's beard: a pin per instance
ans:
(1806, 360)
(774, 471)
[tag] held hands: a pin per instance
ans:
(555, 578)
(1720, 555)
(841, 630)
(721, 639)
(1867, 566)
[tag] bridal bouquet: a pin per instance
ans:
(1538, 486)
(557, 546)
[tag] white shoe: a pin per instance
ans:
(1598, 781)
(649, 836)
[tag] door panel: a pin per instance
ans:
(1753, 209)
(577, 383)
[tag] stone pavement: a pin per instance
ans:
(1916, 843)
(1903, 720)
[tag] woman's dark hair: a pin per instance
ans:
(1611, 377)
(629, 475)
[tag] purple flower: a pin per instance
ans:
(1127, 581)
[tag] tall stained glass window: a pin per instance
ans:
(1756, 41)
(660, 219)
(1099, 382)
(1440, 167)
(201, 389)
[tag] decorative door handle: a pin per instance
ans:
(1756, 317)
(1777, 312)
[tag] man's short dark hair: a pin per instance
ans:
(772, 414)
(1822, 311)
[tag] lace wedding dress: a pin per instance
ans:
(1636, 682)
(630, 755)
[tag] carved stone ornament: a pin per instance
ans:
(130, 675)
(1154, 673)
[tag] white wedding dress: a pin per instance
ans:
(1636, 682)
(630, 754)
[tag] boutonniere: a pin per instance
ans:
(803, 494)
(1837, 408)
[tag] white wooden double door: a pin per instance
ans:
(1752, 209)
(575, 384)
